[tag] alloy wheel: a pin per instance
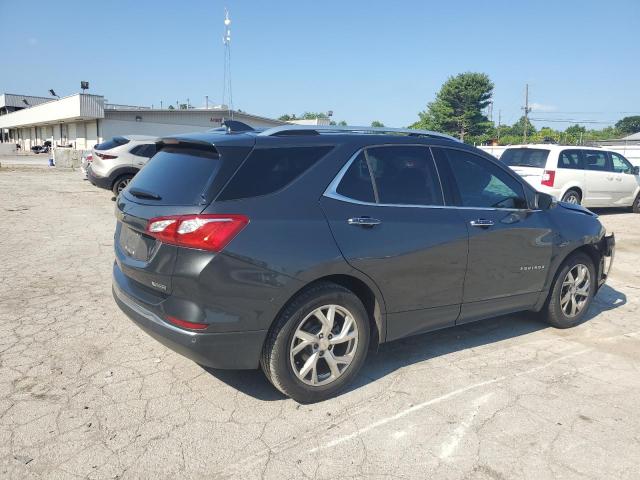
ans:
(575, 290)
(324, 345)
(572, 198)
(122, 184)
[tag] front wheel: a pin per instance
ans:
(572, 196)
(318, 343)
(572, 292)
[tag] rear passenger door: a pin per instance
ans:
(598, 179)
(509, 244)
(385, 210)
(626, 183)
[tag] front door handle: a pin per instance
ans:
(482, 223)
(364, 221)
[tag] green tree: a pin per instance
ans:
(313, 115)
(518, 128)
(457, 109)
(183, 106)
(287, 118)
(342, 123)
(628, 125)
(377, 124)
(171, 107)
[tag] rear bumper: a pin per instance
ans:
(607, 248)
(102, 182)
(228, 350)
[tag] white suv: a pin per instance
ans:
(592, 177)
(116, 161)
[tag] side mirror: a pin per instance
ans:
(635, 170)
(544, 201)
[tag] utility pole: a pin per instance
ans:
(206, 101)
(160, 104)
(499, 119)
(526, 109)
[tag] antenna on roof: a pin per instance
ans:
(227, 93)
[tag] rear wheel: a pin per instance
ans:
(572, 292)
(318, 343)
(572, 196)
(120, 184)
(636, 204)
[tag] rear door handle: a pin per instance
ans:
(364, 221)
(482, 223)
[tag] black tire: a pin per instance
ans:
(552, 312)
(276, 362)
(572, 196)
(636, 204)
(121, 182)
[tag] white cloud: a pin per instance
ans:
(541, 107)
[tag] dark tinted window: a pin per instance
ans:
(482, 184)
(620, 164)
(525, 157)
(595, 160)
(109, 144)
(571, 159)
(404, 175)
(356, 182)
(270, 169)
(178, 175)
(144, 150)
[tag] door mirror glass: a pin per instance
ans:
(544, 201)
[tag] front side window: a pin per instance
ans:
(620, 164)
(571, 159)
(481, 184)
(597, 161)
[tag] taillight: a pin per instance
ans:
(548, 176)
(105, 156)
(204, 232)
(89, 158)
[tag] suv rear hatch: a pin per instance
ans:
(529, 163)
(181, 179)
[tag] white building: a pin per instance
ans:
(82, 120)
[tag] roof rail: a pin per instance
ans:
(317, 129)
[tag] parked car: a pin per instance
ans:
(85, 164)
(44, 148)
(116, 161)
(592, 177)
(298, 248)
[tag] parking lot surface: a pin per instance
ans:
(85, 394)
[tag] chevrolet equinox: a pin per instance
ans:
(297, 249)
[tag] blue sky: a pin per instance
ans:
(365, 60)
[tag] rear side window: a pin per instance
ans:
(113, 143)
(598, 161)
(144, 150)
(356, 182)
(267, 170)
(571, 159)
(525, 157)
(179, 176)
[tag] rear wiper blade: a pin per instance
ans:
(138, 192)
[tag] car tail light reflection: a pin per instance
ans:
(204, 232)
(548, 176)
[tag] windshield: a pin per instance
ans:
(525, 157)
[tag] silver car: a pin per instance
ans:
(116, 161)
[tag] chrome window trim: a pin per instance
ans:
(331, 191)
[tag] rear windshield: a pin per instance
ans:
(525, 157)
(114, 142)
(179, 176)
(270, 169)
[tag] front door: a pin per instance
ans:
(626, 183)
(599, 179)
(386, 214)
(509, 244)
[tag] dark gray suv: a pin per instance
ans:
(297, 249)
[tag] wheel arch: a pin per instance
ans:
(368, 294)
(116, 174)
(575, 187)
